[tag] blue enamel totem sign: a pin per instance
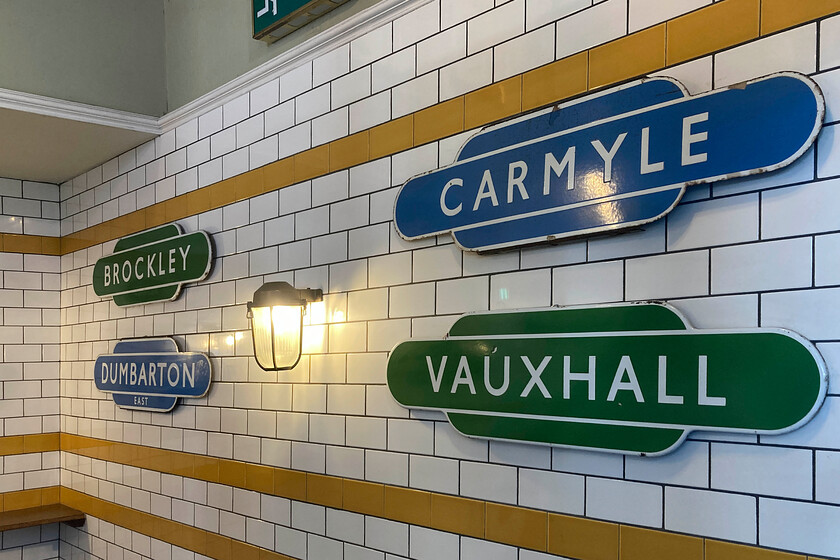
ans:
(151, 374)
(617, 159)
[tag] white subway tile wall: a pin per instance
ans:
(751, 252)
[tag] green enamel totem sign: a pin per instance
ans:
(274, 19)
(628, 378)
(153, 265)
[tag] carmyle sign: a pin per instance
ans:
(151, 374)
(613, 160)
(153, 265)
(628, 378)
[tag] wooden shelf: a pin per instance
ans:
(41, 515)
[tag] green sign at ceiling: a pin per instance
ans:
(274, 19)
(152, 265)
(630, 378)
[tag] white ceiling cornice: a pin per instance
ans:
(80, 112)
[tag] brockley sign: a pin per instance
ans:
(152, 265)
(625, 378)
(151, 374)
(617, 159)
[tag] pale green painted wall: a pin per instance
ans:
(101, 52)
(143, 56)
(208, 43)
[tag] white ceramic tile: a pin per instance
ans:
(699, 512)
(770, 471)
(265, 97)
(370, 177)
(455, 11)
(294, 140)
(210, 122)
(369, 433)
(713, 222)
(436, 263)
(720, 312)
(313, 103)
(329, 188)
(829, 45)
(329, 127)
(371, 46)
(235, 110)
(411, 436)
(474, 548)
(368, 241)
(386, 468)
(551, 491)
(826, 262)
(296, 81)
(389, 536)
(331, 65)
(434, 474)
(624, 502)
(540, 12)
(405, 165)
(463, 295)
(415, 95)
(416, 25)
(442, 49)
(210, 172)
(790, 50)
(449, 443)
(497, 25)
(588, 283)
(524, 53)
(666, 276)
(782, 208)
(829, 83)
(263, 152)
(688, 465)
(827, 476)
(428, 544)
(466, 75)
(828, 152)
(326, 429)
(249, 131)
(370, 112)
(347, 337)
(393, 69)
(801, 311)
(771, 265)
(798, 526)
(351, 87)
(413, 300)
(235, 163)
(644, 13)
(329, 248)
(280, 118)
(599, 24)
(520, 290)
(222, 142)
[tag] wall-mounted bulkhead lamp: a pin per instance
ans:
(276, 316)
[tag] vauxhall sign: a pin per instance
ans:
(614, 160)
(629, 378)
(152, 265)
(151, 374)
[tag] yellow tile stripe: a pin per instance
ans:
(563, 535)
(32, 443)
(705, 31)
(21, 499)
